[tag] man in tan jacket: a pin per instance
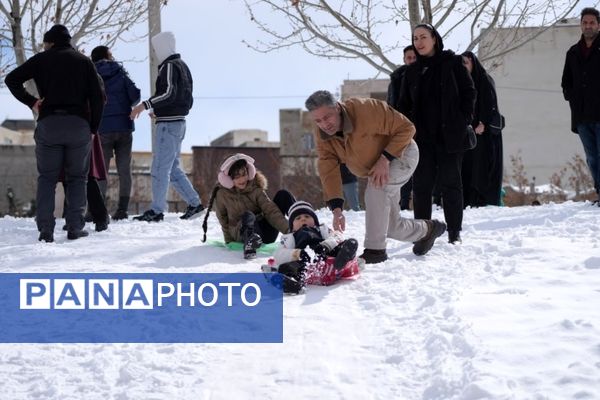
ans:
(374, 141)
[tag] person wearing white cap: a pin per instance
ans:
(171, 103)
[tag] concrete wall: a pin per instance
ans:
(530, 97)
(18, 171)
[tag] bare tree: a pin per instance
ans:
(23, 23)
(369, 29)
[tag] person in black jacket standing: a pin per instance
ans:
(438, 95)
(116, 127)
(482, 166)
(171, 102)
(69, 109)
(581, 88)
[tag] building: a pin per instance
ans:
(530, 97)
(374, 88)
(244, 138)
(141, 185)
(17, 132)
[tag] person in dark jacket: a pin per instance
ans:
(581, 88)
(245, 211)
(482, 165)
(171, 102)
(116, 127)
(393, 95)
(438, 95)
(69, 108)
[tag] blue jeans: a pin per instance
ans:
(351, 195)
(165, 167)
(589, 133)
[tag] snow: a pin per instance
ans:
(511, 313)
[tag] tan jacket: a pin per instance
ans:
(369, 127)
(230, 204)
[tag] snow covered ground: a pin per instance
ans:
(512, 313)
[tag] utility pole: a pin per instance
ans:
(153, 29)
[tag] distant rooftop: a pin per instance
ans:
(19, 124)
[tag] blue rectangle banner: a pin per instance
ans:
(139, 308)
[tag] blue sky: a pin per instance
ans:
(235, 87)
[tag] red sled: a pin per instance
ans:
(324, 274)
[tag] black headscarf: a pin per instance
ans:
(439, 43)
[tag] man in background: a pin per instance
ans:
(69, 109)
(581, 88)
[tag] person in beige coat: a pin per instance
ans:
(245, 211)
(374, 141)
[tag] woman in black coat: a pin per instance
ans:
(438, 96)
(482, 166)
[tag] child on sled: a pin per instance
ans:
(308, 246)
(245, 211)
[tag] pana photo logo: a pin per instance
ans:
(132, 294)
(140, 308)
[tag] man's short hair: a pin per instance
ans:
(591, 11)
(408, 48)
(100, 53)
(319, 99)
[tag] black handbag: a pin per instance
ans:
(471, 139)
(497, 123)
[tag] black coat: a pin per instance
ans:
(456, 103)
(65, 79)
(173, 97)
(393, 94)
(581, 83)
(482, 166)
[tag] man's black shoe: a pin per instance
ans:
(150, 216)
(346, 252)
(46, 236)
(193, 212)
(374, 256)
(434, 231)
(119, 215)
(76, 234)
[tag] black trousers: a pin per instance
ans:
(436, 163)
(283, 200)
(120, 144)
(62, 142)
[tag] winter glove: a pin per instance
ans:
(307, 237)
(327, 245)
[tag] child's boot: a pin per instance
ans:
(251, 240)
(344, 252)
